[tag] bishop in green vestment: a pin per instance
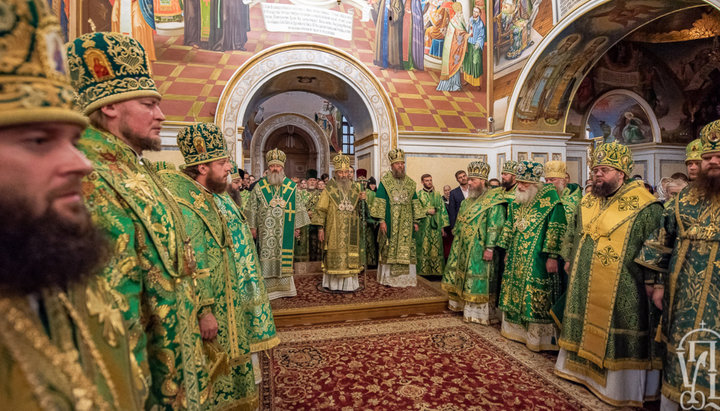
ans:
(275, 216)
(431, 260)
(220, 287)
(63, 342)
(338, 218)
(471, 273)
(607, 330)
(396, 207)
(152, 274)
(683, 254)
(532, 236)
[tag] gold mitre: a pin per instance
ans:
(341, 162)
(478, 169)
(710, 137)
(396, 155)
(555, 169)
(693, 151)
(614, 155)
(34, 84)
(275, 156)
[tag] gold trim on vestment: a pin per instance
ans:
(248, 403)
(265, 345)
(609, 226)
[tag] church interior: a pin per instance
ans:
(548, 80)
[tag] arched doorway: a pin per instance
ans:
(319, 69)
(310, 151)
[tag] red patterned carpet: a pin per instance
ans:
(309, 295)
(417, 363)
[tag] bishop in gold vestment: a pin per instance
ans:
(337, 214)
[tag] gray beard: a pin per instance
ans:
(276, 178)
(344, 184)
(476, 192)
(523, 197)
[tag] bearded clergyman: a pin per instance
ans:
(220, 288)
(471, 273)
(338, 218)
(429, 242)
(307, 244)
(684, 255)
(275, 216)
(532, 236)
(396, 208)
(607, 330)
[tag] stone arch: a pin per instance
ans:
(259, 70)
(268, 126)
(582, 15)
(654, 126)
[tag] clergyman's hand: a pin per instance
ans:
(657, 297)
(297, 233)
(208, 326)
(383, 227)
(431, 211)
(254, 232)
(321, 235)
(551, 266)
(488, 255)
(417, 227)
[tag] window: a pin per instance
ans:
(348, 137)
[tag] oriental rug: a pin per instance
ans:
(433, 362)
(310, 295)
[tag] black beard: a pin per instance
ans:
(710, 186)
(507, 185)
(604, 190)
(38, 253)
(216, 186)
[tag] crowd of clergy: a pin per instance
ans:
(128, 284)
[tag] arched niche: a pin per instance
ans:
(268, 127)
(627, 117)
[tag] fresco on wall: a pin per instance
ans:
(411, 46)
(543, 104)
(619, 117)
(515, 37)
(680, 79)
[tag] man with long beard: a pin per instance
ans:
(338, 216)
(471, 274)
(219, 286)
(152, 272)
(275, 216)
(532, 236)
(683, 253)
(396, 207)
(693, 159)
(235, 187)
(49, 248)
(607, 329)
(429, 238)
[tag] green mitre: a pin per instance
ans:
(202, 143)
(529, 171)
(108, 68)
